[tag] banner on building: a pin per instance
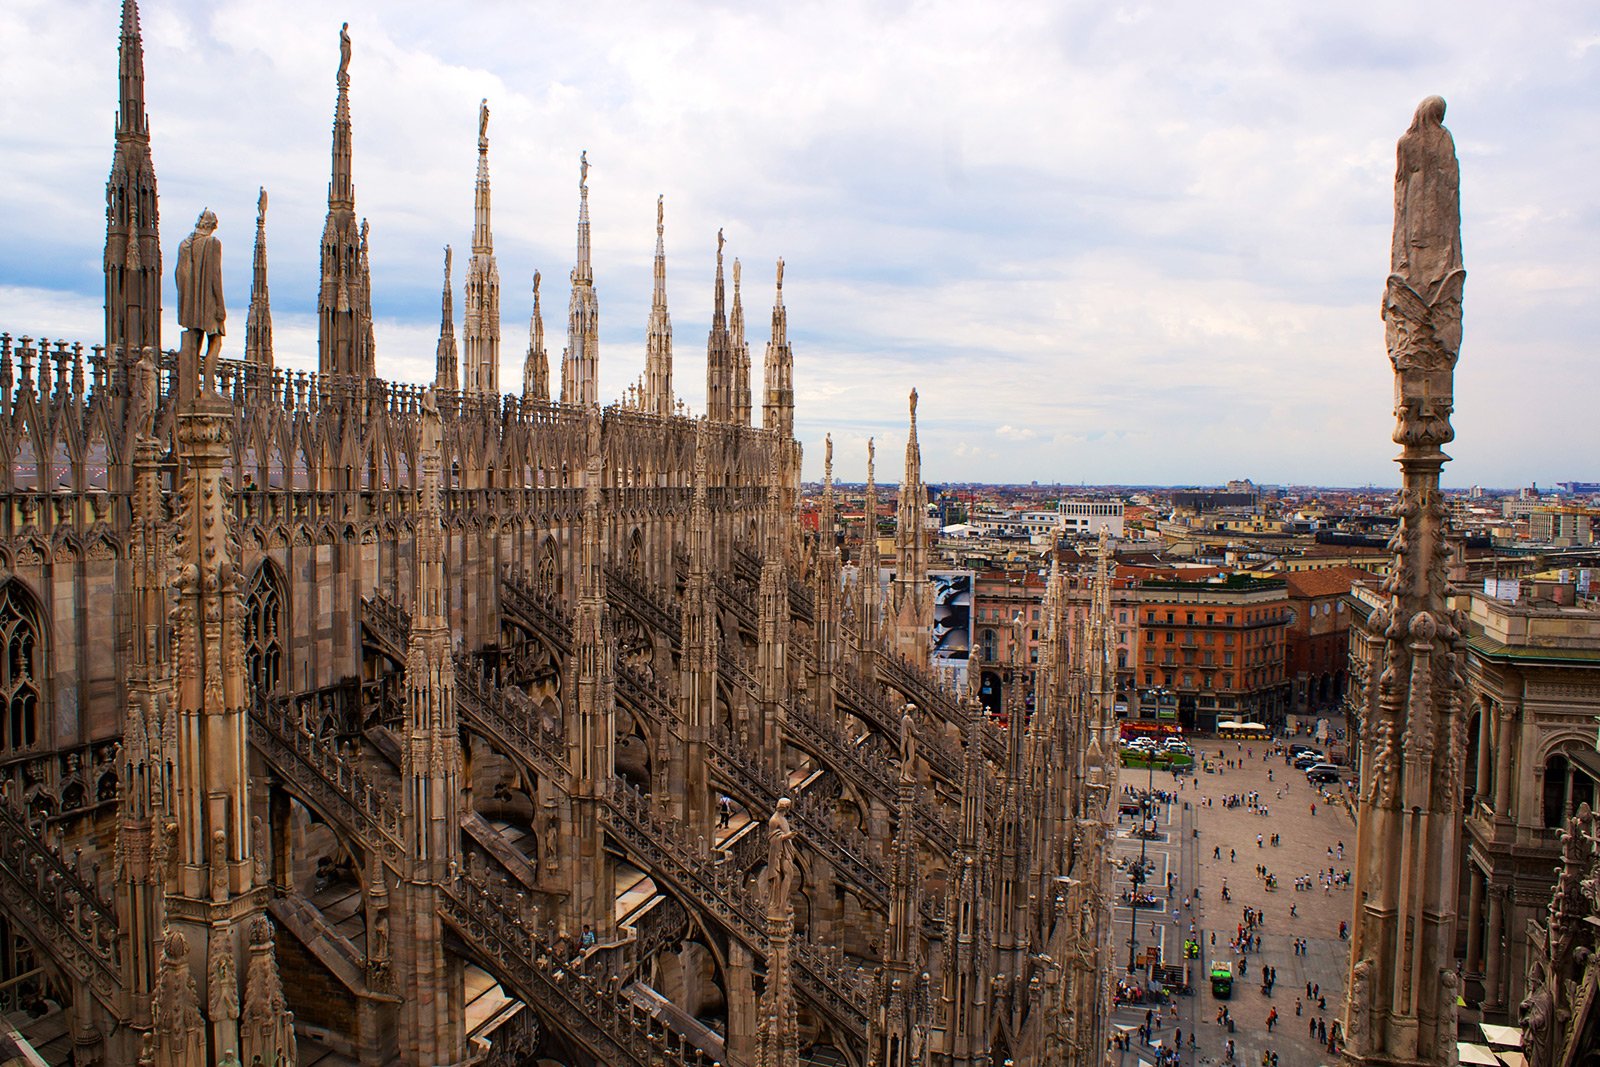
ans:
(952, 623)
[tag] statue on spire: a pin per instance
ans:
(344, 55)
(201, 312)
(483, 124)
(583, 171)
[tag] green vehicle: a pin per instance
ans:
(1222, 981)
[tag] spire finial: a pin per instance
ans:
(827, 458)
(913, 410)
(780, 274)
(583, 172)
(661, 214)
(483, 125)
(343, 76)
(736, 273)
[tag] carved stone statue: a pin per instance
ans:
(1427, 202)
(344, 54)
(144, 393)
(908, 745)
(432, 426)
(201, 311)
(224, 986)
(583, 170)
(780, 855)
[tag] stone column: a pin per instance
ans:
(1502, 770)
(1475, 921)
(1494, 938)
(1485, 747)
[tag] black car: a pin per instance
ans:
(1322, 772)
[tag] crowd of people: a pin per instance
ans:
(1246, 946)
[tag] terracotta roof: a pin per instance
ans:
(1328, 581)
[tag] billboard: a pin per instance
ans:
(952, 623)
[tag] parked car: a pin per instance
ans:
(1323, 772)
(1307, 759)
(1296, 749)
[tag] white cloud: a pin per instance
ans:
(1151, 238)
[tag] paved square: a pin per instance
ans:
(1206, 844)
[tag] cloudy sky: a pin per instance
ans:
(1107, 242)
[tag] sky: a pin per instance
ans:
(1106, 242)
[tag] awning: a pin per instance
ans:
(1470, 1053)
(1512, 1058)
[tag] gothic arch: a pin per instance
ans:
(548, 570)
(23, 656)
(264, 632)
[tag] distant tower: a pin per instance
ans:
(536, 367)
(580, 364)
(258, 321)
(719, 354)
(1400, 1005)
(133, 239)
(480, 316)
(445, 376)
(343, 321)
(658, 334)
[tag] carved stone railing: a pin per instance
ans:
(590, 1010)
(822, 977)
(326, 779)
(64, 914)
(748, 564)
(536, 608)
(635, 592)
(848, 851)
(388, 623)
(510, 720)
(930, 696)
(871, 776)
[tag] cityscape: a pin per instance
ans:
(524, 705)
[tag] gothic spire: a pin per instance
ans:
(536, 368)
(445, 375)
(870, 598)
(258, 320)
(658, 335)
(580, 364)
(719, 355)
(133, 240)
(777, 413)
(913, 597)
(480, 319)
(132, 122)
(344, 327)
(740, 349)
(341, 187)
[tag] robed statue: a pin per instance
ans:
(201, 311)
(780, 856)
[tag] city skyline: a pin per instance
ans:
(1095, 255)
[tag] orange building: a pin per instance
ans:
(1214, 649)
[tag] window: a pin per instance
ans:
(1227, 639)
(1230, 618)
(1210, 618)
(1169, 618)
(988, 640)
(1149, 678)
(1122, 616)
(1227, 659)
(19, 670)
(263, 647)
(1227, 681)
(1189, 619)
(1149, 655)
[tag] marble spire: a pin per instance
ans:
(445, 376)
(480, 318)
(580, 364)
(536, 367)
(133, 238)
(658, 334)
(258, 320)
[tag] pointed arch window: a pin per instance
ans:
(263, 629)
(21, 655)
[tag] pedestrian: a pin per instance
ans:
(1313, 1023)
(1216, 853)
(1258, 841)
(1233, 857)
(1272, 1019)
(1297, 1005)
(724, 811)
(1313, 807)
